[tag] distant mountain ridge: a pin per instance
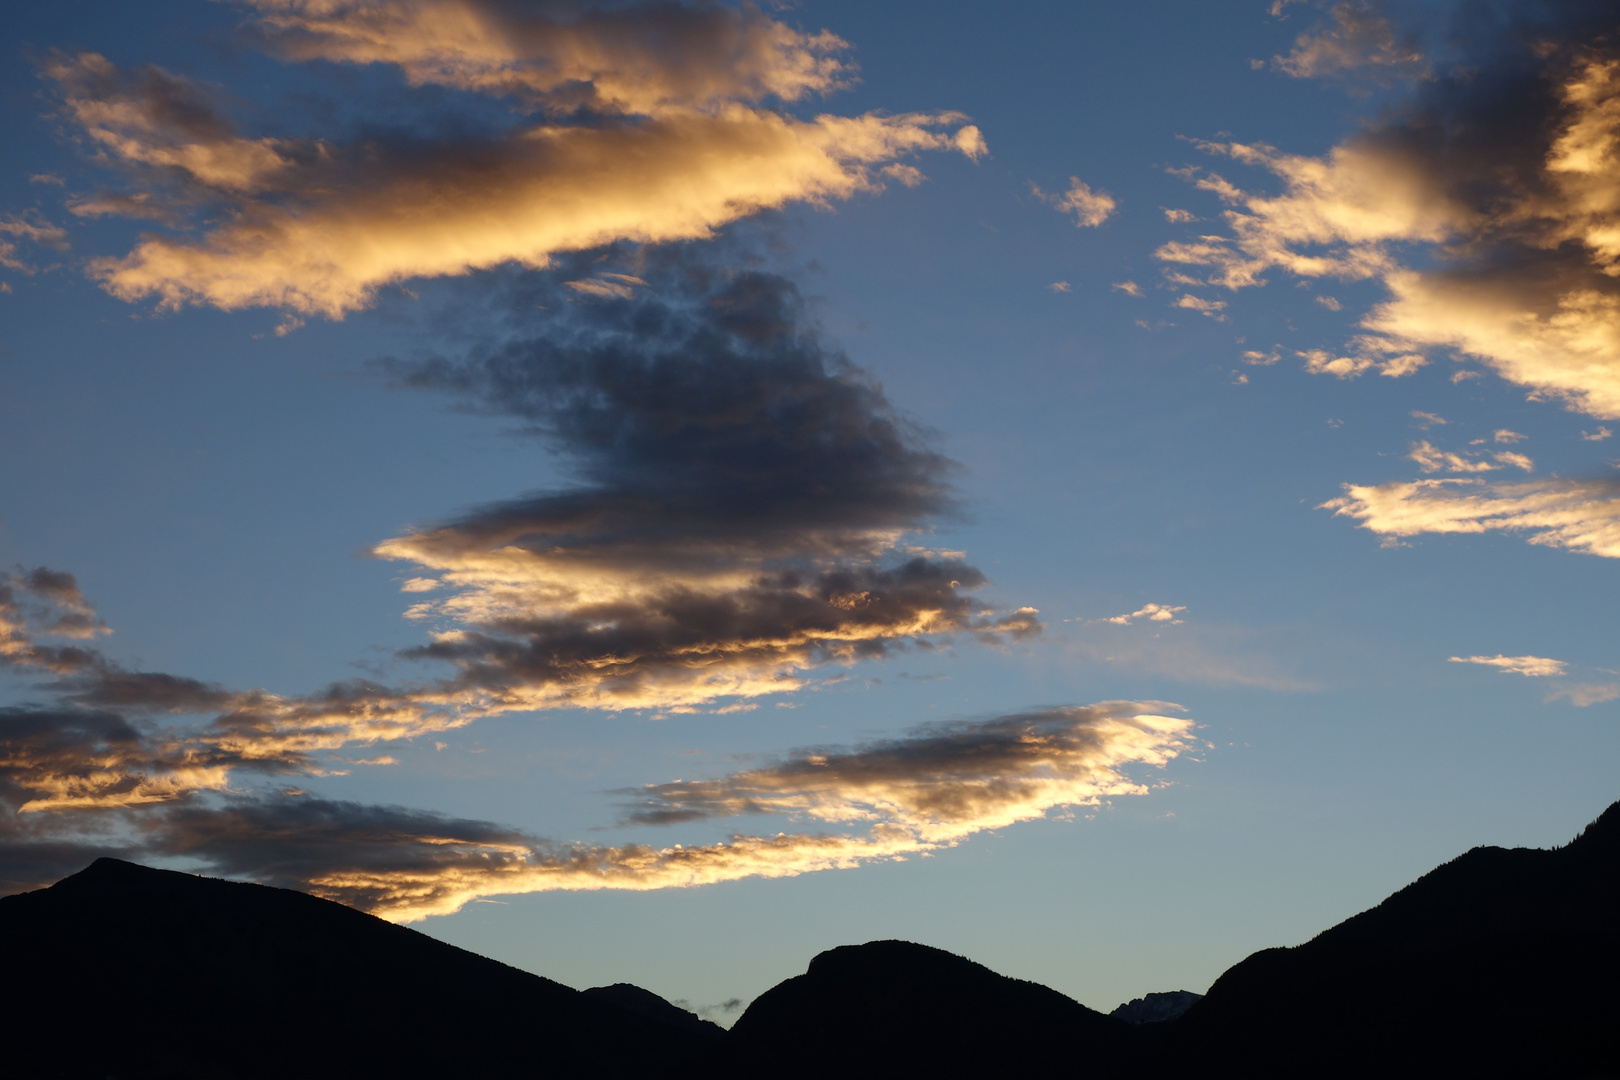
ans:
(1497, 963)
(1156, 1008)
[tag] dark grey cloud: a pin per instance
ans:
(745, 494)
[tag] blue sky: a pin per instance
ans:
(1137, 431)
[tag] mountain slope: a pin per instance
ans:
(1498, 962)
(130, 972)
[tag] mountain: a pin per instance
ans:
(1156, 1008)
(893, 1008)
(648, 1004)
(1500, 962)
(128, 972)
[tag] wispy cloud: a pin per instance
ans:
(1535, 667)
(1578, 515)
(1149, 612)
(33, 229)
(1359, 40)
(1209, 308)
(1090, 208)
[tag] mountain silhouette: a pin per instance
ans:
(132, 973)
(1498, 963)
(893, 1008)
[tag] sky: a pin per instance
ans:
(650, 491)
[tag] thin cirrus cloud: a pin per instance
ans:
(676, 148)
(746, 495)
(1505, 170)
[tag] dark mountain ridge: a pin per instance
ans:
(1497, 963)
(125, 971)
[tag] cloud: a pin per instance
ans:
(1430, 459)
(745, 493)
(1535, 667)
(1210, 308)
(1059, 286)
(636, 58)
(1426, 420)
(1577, 515)
(1583, 695)
(922, 792)
(1090, 208)
(1129, 288)
(1504, 435)
(1499, 177)
(1150, 612)
(33, 229)
(1178, 217)
(1322, 362)
(1597, 436)
(1360, 40)
(316, 226)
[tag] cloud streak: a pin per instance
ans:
(923, 792)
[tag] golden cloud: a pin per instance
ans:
(1578, 515)
(1523, 213)
(636, 58)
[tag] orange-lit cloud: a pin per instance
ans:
(920, 793)
(1520, 205)
(676, 146)
(1578, 515)
(639, 58)
(1090, 208)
